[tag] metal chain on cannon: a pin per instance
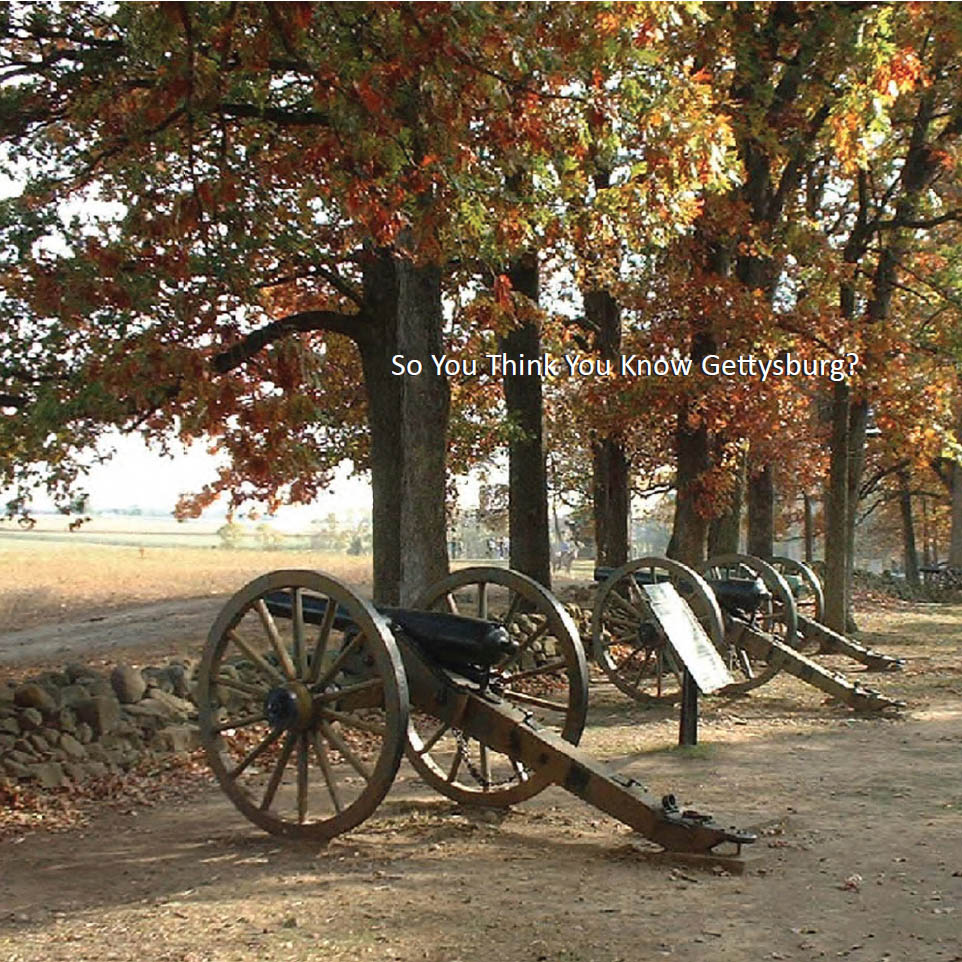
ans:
(463, 747)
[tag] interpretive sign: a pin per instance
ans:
(687, 637)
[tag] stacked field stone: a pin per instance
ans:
(71, 725)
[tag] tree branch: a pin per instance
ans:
(921, 223)
(276, 115)
(350, 325)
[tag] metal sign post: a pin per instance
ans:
(688, 722)
(703, 667)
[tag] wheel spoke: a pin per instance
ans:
(278, 773)
(451, 604)
(238, 723)
(325, 764)
(626, 605)
(435, 738)
(546, 669)
(239, 686)
(634, 592)
(483, 600)
(346, 750)
(283, 655)
(339, 660)
(512, 611)
(621, 621)
(330, 613)
(456, 764)
(485, 765)
(632, 655)
(300, 649)
(336, 693)
(266, 667)
(523, 698)
(353, 722)
(255, 752)
(524, 645)
(640, 674)
(301, 778)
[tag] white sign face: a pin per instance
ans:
(687, 637)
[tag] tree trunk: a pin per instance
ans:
(927, 559)
(857, 421)
(424, 421)
(836, 514)
(910, 555)
(725, 531)
(609, 462)
(384, 419)
(689, 533)
(809, 528)
(610, 496)
(527, 476)
(955, 535)
(761, 514)
(408, 418)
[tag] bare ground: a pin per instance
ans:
(860, 854)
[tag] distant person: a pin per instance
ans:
(565, 556)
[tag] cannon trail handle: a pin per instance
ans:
(625, 799)
(764, 647)
(511, 731)
(831, 641)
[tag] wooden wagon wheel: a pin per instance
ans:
(547, 677)
(303, 718)
(624, 641)
(811, 601)
(778, 618)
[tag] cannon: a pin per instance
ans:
(810, 603)
(746, 607)
(309, 696)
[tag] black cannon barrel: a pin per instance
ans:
(734, 595)
(451, 640)
(740, 595)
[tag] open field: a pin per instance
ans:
(42, 581)
(48, 575)
(860, 854)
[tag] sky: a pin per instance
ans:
(138, 477)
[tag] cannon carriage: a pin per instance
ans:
(749, 611)
(810, 601)
(309, 696)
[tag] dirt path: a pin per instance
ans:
(156, 625)
(860, 855)
(866, 865)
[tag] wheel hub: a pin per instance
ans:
(289, 707)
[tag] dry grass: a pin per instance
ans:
(46, 581)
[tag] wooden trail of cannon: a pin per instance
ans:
(810, 601)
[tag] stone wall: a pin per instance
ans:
(71, 725)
